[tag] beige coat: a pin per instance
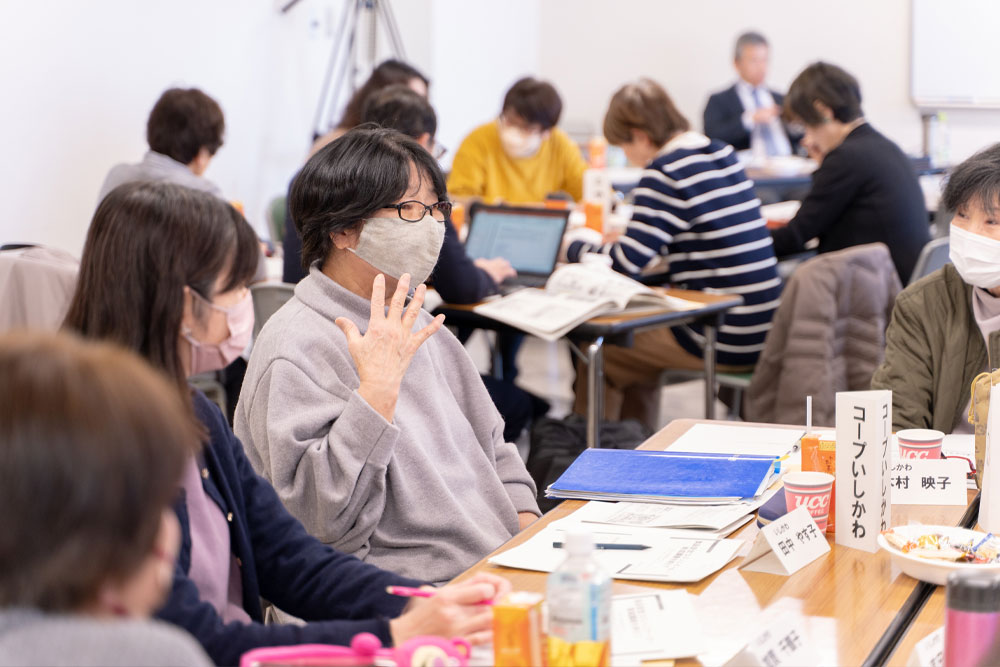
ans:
(828, 335)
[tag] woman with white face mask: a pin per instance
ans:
(372, 423)
(945, 328)
(522, 156)
(164, 273)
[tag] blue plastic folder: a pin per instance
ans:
(623, 474)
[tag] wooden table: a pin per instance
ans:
(860, 590)
(620, 329)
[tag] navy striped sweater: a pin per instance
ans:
(696, 209)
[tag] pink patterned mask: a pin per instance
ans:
(207, 357)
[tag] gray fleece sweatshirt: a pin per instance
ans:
(30, 637)
(425, 496)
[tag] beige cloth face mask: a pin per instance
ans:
(394, 246)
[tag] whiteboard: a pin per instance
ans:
(954, 56)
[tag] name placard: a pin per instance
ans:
(783, 642)
(864, 424)
(929, 482)
(787, 544)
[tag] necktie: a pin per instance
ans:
(766, 130)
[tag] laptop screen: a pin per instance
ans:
(528, 239)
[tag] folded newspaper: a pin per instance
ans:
(573, 294)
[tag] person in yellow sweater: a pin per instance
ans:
(522, 156)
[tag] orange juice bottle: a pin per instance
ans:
(819, 454)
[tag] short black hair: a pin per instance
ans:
(399, 107)
(750, 38)
(975, 181)
(826, 83)
(182, 122)
(535, 101)
(351, 178)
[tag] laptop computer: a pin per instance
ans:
(528, 238)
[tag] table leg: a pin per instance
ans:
(709, 333)
(496, 358)
(595, 391)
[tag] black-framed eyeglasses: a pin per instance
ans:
(414, 211)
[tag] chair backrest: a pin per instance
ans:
(36, 287)
(931, 258)
(267, 299)
(828, 335)
(276, 214)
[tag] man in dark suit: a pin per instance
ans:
(748, 114)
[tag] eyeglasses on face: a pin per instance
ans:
(414, 211)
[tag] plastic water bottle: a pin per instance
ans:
(579, 606)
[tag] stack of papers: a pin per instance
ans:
(668, 555)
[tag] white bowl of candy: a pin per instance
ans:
(931, 553)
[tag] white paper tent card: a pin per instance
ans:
(787, 544)
(864, 426)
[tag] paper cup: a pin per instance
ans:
(919, 443)
(811, 490)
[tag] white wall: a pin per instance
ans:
(590, 47)
(78, 78)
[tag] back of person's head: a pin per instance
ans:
(829, 85)
(389, 72)
(645, 106)
(536, 102)
(748, 39)
(146, 242)
(182, 122)
(92, 445)
(350, 179)
(399, 107)
(976, 181)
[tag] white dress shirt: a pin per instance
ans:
(757, 145)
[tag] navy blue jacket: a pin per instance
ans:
(723, 119)
(337, 594)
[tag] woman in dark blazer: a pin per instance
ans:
(865, 189)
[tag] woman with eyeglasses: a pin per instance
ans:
(164, 273)
(372, 424)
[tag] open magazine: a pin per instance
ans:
(573, 294)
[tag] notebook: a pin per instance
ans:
(528, 238)
(639, 475)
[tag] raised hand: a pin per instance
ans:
(384, 352)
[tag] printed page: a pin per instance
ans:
(668, 559)
(726, 439)
(656, 515)
(541, 313)
(658, 625)
(597, 283)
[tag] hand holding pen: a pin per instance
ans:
(456, 610)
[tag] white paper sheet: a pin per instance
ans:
(669, 558)
(657, 515)
(658, 625)
(728, 439)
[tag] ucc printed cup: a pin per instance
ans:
(811, 490)
(919, 443)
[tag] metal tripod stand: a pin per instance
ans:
(343, 58)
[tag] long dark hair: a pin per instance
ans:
(386, 74)
(363, 171)
(148, 241)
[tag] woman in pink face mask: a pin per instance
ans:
(164, 272)
(945, 328)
